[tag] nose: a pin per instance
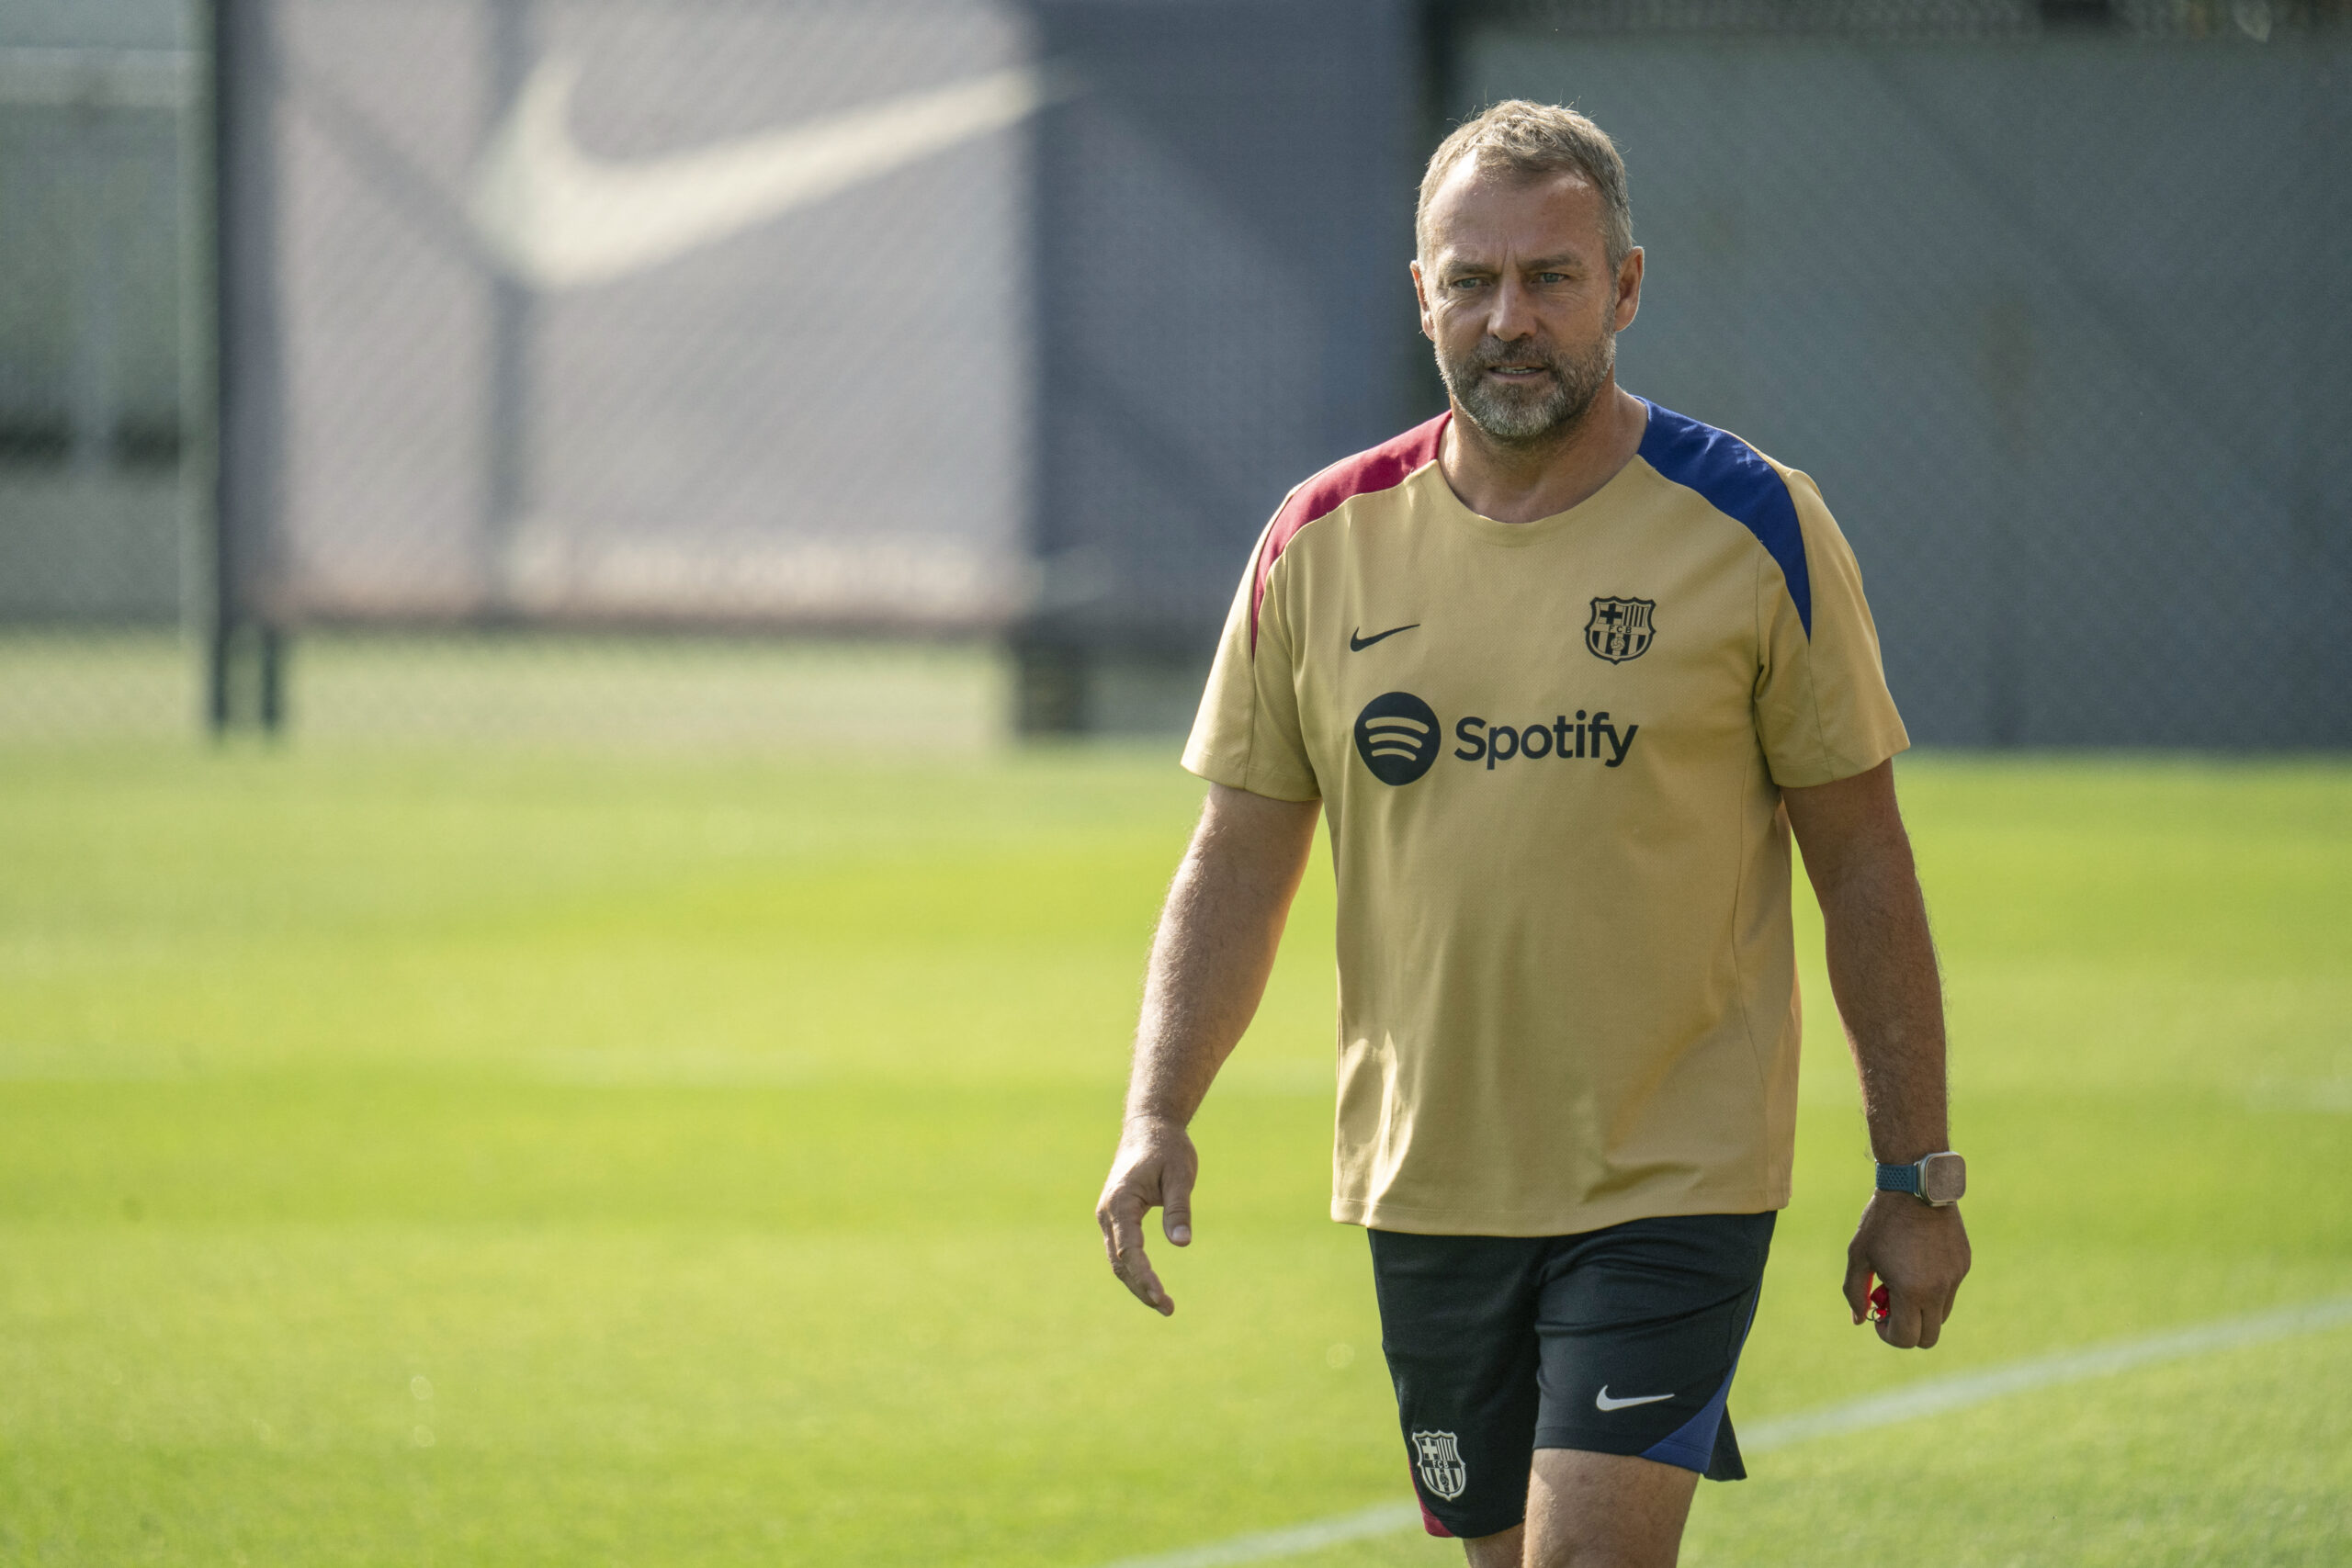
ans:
(1509, 313)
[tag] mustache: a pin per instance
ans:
(1485, 358)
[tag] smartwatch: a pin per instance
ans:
(1938, 1180)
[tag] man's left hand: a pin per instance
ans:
(1922, 1254)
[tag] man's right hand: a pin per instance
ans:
(1155, 1167)
(1209, 962)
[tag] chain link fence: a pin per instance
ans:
(93, 315)
(597, 314)
(2050, 302)
(576, 349)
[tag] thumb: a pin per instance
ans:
(1176, 1203)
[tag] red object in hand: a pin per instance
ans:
(1879, 1300)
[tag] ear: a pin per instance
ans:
(1422, 297)
(1629, 288)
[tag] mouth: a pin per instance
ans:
(1517, 372)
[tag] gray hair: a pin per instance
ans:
(1531, 138)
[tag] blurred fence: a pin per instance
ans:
(2052, 300)
(1010, 321)
(560, 325)
(91, 316)
(93, 438)
(805, 318)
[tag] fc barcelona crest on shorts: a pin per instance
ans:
(1620, 628)
(1437, 1460)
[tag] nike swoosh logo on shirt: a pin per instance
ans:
(556, 217)
(1603, 1400)
(1358, 644)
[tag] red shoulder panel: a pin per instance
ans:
(1384, 466)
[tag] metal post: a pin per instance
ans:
(1050, 663)
(218, 658)
(269, 661)
(248, 406)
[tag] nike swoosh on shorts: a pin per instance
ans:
(556, 217)
(1603, 1402)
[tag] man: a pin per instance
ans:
(1565, 669)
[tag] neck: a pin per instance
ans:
(1520, 482)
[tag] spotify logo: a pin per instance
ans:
(1397, 737)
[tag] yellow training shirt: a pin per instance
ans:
(1552, 754)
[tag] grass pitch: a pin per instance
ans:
(411, 1156)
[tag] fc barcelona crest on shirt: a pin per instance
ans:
(1620, 628)
(1437, 1460)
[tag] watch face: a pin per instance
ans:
(1943, 1178)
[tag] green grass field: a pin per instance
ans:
(434, 1156)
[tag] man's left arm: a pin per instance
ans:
(1883, 972)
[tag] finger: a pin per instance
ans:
(1857, 1284)
(1940, 1312)
(1129, 1261)
(1144, 1281)
(1900, 1326)
(1106, 1219)
(1125, 1235)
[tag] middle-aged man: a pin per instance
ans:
(1565, 669)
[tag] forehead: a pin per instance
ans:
(1477, 213)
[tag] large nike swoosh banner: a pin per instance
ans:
(556, 217)
(643, 312)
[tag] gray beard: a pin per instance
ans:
(1527, 416)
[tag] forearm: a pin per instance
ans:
(1215, 947)
(1883, 972)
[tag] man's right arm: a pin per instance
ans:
(1209, 962)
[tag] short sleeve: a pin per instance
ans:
(1823, 711)
(1247, 734)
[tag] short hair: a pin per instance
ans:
(1529, 139)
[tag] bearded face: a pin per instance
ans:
(1530, 392)
(1523, 299)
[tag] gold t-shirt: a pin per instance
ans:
(1551, 755)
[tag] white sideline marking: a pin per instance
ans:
(1929, 1398)
(1941, 1394)
(1378, 1520)
(2321, 1095)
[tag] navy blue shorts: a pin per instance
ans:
(1616, 1341)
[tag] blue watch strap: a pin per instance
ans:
(1899, 1179)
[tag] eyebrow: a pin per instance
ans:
(1540, 264)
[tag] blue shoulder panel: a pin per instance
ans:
(1738, 483)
